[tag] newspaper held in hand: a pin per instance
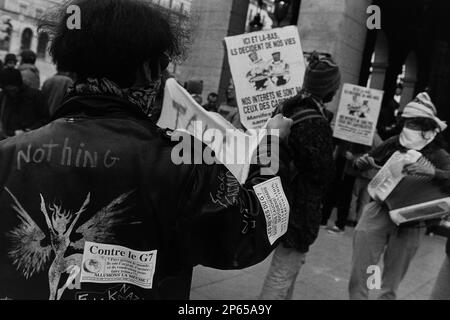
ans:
(409, 198)
(391, 174)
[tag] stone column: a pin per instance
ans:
(410, 80)
(212, 20)
(380, 62)
(338, 28)
(378, 75)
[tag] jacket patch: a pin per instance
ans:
(275, 206)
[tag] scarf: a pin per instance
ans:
(144, 98)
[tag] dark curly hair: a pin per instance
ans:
(115, 39)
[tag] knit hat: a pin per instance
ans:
(10, 77)
(423, 107)
(10, 57)
(322, 76)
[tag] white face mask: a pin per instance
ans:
(415, 139)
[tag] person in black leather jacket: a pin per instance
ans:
(91, 205)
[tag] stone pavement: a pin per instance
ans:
(323, 277)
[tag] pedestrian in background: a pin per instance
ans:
(55, 88)
(229, 109)
(21, 108)
(211, 103)
(339, 193)
(10, 61)
(30, 73)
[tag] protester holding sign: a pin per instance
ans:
(312, 168)
(92, 206)
(376, 234)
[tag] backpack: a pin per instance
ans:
(298, 117)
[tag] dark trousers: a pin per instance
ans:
(339, 196)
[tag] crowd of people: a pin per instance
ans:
(25, 104)
(84, 165)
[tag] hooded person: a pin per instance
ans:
(21, 108)
(96, 205)
(30, 73)
(376, 234)
(312, 168)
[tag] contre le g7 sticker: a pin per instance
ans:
(104, 263)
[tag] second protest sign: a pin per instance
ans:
(267, 68)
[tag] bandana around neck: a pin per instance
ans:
(144, 98)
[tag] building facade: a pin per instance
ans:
(25, 16)
(413, 43)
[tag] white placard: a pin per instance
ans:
(276, 207)
(181, 112)
(104, 263)
(357, 116)
(267, 68)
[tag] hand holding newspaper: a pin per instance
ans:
(409, 197)
(391, 174)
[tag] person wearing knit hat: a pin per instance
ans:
(312, 169)
(30, 73)
(376, 235)
(423, 107)
(322, 77)
(10, 60)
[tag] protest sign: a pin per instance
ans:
(267, 68)
(358, 113)
(232, 147)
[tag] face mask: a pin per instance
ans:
(415, 139)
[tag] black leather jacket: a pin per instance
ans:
(102, 173)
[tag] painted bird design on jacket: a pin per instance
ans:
(30, 256)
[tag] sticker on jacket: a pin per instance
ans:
(275, 206)
(104, 263)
